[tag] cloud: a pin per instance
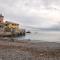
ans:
(40, 13)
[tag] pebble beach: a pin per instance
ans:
(28, 50)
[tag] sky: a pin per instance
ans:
(35, 13)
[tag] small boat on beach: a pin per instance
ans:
(28, 32)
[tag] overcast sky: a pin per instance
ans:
(37, 13)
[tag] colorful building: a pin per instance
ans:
(10, 27)
(1, 23)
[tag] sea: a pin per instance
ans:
(39, 35)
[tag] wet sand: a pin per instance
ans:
(28, 50)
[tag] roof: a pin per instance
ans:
(11, 23)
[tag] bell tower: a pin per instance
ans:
(1, 18)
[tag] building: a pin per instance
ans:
(1, 23)
(12, 26)
(9, 28)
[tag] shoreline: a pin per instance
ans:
(29, 50)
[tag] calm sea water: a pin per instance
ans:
(37, 35)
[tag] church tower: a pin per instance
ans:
(1, 18)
